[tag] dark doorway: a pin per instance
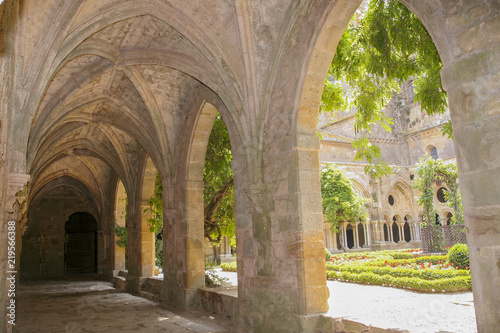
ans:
(395, 232)
(361, 235)
(350, 236)
(386, 233)
(80, 246)
(407, 232)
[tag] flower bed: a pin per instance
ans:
(399, 269)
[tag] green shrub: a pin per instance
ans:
(328, 254)
(402, 255)
(458, 256)
(425, 274)
(432, 259)
(228, 266)
(212, 279)
(458, 283)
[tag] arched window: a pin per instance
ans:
(434, 153)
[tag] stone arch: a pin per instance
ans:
(189, 212)
(44, 242)
(360, 187)
(446, 216)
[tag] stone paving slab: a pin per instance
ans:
(73, 306)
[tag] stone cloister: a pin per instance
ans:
(100, 93)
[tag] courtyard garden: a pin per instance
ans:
(405, 269)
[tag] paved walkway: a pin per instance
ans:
(74, 306)
(386, 307)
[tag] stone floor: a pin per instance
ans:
(74, 306)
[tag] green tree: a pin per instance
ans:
(430, 171)
(218, 191)
(156, 221)
(340, 201)
(382, 47)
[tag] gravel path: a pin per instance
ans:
(386, 307)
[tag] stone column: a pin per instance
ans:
(12, 228)
(356, 235)
(134, 245)
(147, 242)
(473, 84)
(367, 234)
(401, 231)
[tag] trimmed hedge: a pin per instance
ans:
(426, 274)
(432, 259)
(454, 284)
(228, 266)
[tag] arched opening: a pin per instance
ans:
(80, 244)
(437, 219)
(386, 232)
(395, 230)
(407, 232)
(350, 236)
(120, 228)
(361, 235)
(432, 151)
(449, 217)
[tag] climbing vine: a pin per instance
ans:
(340, 201)
(430, 171)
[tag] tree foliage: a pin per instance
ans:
(218, 191)
(430, 171)
(381, 48)
(340, 201)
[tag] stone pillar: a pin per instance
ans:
(147, 242)
(367, 234)
(12, 228)
(473, 84)
(401, 231)
(390, 233)
(355, 235)
(134, 245)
